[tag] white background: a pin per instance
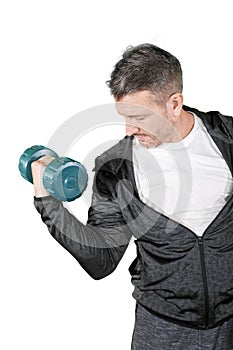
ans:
(55, 58)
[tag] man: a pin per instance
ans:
(169, 184)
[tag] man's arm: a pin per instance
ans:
(100, 244)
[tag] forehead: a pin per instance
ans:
(132, 110)
(137, 103)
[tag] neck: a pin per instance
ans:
(187, 123)
(183, 125)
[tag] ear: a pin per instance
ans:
(175, 104)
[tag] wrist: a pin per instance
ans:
(40, 191)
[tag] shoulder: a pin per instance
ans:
(111, 159)
(108, 168)
(215, 121)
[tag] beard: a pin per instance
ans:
(148, 141)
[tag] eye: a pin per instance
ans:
(140, 118)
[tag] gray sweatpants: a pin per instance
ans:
(154, 333)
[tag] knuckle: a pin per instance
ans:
(36, 164)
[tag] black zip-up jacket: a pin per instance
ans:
(177, 275)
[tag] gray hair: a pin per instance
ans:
(146, 67)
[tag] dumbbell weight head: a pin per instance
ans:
(30, 155)
(65, 179)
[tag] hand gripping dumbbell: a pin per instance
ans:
(63, 178)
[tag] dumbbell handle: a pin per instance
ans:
(38, 167)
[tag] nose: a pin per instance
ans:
(131, 129)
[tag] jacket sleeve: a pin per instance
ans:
(99, 245)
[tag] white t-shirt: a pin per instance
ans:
(188, 181)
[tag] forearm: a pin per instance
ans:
(97, 249)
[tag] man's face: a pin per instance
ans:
(150, 123)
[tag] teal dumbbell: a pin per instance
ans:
(63, 178)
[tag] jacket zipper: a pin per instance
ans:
(204, 279)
